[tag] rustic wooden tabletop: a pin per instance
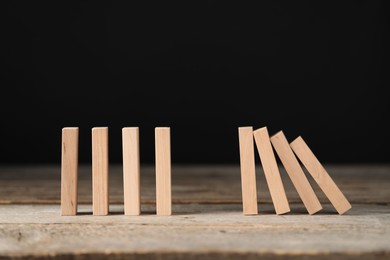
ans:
(207, 220)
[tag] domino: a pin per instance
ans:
(163, 171)
(271, 171)
(320, 175)
(288, 154)
(248, 173)
(131, 171)
(69, 170)
(100, 171)
(295, 172)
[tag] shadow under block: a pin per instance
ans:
(69, 170)
(163, 171)
(131, 170)
(271, 171)
(248, 172)
(296, 173)
(320, 175)
(100, 170)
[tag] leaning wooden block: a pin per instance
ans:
(69, 170)
(163, 171)
(248, 173)
(320, 175)
(131, 170)
(271, 171)
(100, 170)
(296, 173)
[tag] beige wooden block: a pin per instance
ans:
(100, 170)
(163, 171)
(131, 170)
(271, 171)
(296, 173)
(69, 170)
(248, 172)
(320, 175)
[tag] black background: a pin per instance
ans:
(203, 68)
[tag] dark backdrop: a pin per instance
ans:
(203, 68)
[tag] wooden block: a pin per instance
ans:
(271, 171)
(69, 170)
(320, 175)
(163, 171)
(131, 170)
(100, 170)
(248, 172)
(296, 173)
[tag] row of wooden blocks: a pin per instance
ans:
(100, 173)
(288, 154)
(131, 171)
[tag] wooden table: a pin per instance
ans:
(207, 221)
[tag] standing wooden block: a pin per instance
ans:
(163, 171)
(131, 170)
(271, 171)
(248, 172)
(296, 173)
(69, 170)
(100, 170)
(320, 175)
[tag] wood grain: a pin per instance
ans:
(69, 170)
(131, 170)
(163, 171)
(248, 171)
(195, 231)
(204, 184)
(295, 172)
(271, 171)
(208, 214)
(320, 175)
(100, 170)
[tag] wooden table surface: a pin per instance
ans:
(207, 219)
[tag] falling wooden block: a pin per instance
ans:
(296, 173)
(131, 170)
(163, 171)
(69, 170)
(248, 173)
(271, 171)
(100, 170)
(320, 175)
